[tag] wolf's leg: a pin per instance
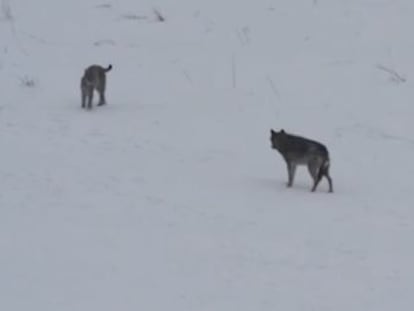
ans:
(329, 179)
(314, 167)
(90, 97)
(291, 173)
(322, 171)
(316, 182)
(83, 98)
(101, 90)
(102, 100)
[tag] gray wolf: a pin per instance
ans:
(94, 78)
(297, 150)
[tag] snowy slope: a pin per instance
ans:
(169, 197)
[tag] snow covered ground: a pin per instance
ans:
(169, 197)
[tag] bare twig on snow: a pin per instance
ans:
(394, 76)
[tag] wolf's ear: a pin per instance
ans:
(272, 131)
(282, 131)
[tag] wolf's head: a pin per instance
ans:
(277, 138)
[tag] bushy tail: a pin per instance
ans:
(109, 68)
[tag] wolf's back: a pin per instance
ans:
(302, 145)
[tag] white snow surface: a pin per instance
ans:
(170, 197)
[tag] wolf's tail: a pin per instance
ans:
(109, 68)
(324, 169)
